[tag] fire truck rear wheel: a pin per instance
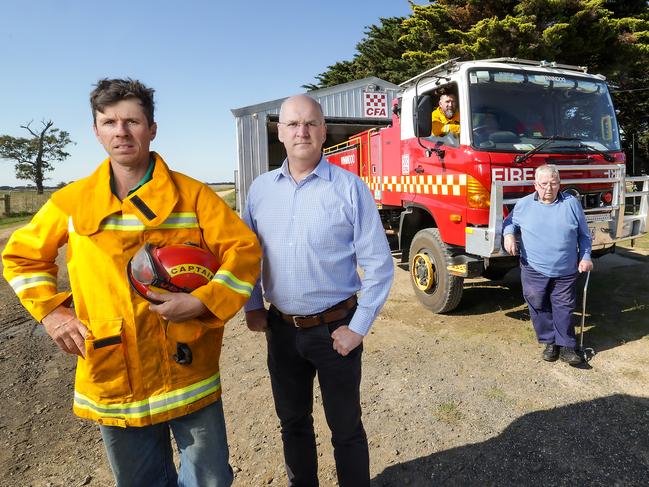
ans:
(434, 286)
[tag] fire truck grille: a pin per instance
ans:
(588, 201)
(599, 217)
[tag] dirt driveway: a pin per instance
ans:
(461, 399)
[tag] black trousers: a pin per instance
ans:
(295, 355)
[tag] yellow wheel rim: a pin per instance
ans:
(422, 272)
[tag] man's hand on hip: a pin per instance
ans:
(69, 334)
(177, 307)
(345, 340)
(257, 319)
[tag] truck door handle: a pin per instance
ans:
(419, 170)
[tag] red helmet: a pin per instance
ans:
(177, 268)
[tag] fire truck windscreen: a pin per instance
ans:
(518, 111)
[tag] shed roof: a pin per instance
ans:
(321, 93)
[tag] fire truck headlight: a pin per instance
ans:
(477, 195)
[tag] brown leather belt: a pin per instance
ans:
(335, 313)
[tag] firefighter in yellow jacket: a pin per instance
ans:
(144, 370)
(446, 117)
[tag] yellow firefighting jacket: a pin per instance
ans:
(443, 125)
(129, 376)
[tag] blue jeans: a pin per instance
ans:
(143, 457)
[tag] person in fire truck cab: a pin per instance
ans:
(317, 223)
(555, 246)
(446, 117)
(144, 371)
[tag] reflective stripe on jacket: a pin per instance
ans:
(129, 376)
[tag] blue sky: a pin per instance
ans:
(202, 57)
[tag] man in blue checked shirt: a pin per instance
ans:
(555, 248)
(316, 223)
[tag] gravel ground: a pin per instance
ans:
(460, 399)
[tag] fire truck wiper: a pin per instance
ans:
(520, 159)
(605, 155)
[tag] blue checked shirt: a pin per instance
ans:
(314, 235)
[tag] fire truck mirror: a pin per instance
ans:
(423, 110)
(396, 108)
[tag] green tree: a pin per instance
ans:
(35, 156)
(582, 32)
(601, 34)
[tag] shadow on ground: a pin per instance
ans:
(604, 442)
(617, 300)
(617, 303)
(482, 296)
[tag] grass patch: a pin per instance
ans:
(230, 199)
(221, 187)
(497, 394)
(641, 243)
(449, 412)
(13, 220)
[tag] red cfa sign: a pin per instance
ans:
(375, 105)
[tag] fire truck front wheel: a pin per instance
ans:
(434, 286)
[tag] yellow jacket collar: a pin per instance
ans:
(89, 201)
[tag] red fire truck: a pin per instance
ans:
(442, 198)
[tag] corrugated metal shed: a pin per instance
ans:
(258, 148)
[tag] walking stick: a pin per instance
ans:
(586, 353)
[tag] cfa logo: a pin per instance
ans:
(375, 112)
(512, 174)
